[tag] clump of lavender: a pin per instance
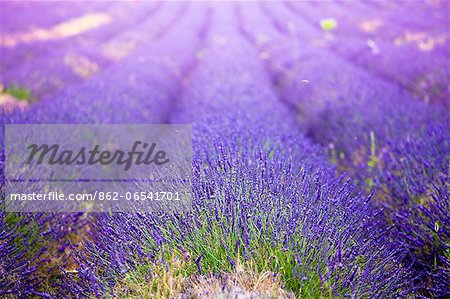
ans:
(16, 268)
(413, 180)
(405, 157)
(32, 248)
(251, 203)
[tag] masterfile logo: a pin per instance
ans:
(53, 155)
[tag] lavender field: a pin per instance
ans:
(320, 147)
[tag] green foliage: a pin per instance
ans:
(18, 92)
(328, 24)
(221, 249)
(373, 160)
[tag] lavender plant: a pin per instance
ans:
(413, 178)
(16, 267)
(253, 206)
(33, 247)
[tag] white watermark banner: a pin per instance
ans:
(98, 168)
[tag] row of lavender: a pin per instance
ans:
(117, 29)
(257, 179)
(121, 95)
(373, 129)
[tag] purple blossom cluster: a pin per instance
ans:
(328, 228)
(33, 247)
(15, 266)
(413, 180)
